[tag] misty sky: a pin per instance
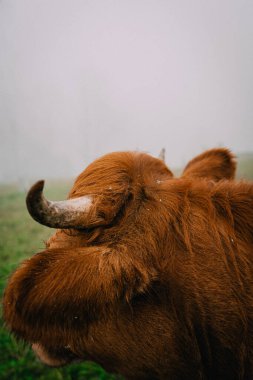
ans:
(79, 78)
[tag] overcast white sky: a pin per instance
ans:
(79, 78)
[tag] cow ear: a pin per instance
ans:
(61, 290)
(214, 164)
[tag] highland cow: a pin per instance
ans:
(148, 275)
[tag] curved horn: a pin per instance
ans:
(162, 154)
(71, 213)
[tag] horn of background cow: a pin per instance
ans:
(61, 214)
(162, 154)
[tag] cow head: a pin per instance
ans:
(108, 250)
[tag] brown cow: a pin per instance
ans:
(148, 275)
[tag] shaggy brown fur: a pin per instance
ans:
(163, 289)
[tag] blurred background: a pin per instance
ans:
(80, 78)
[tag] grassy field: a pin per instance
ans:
(20, 237)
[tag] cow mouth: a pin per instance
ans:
(55, 357)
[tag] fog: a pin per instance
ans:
(80, 78)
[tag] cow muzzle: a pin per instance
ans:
(54, 357)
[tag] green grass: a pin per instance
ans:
(20, 237)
